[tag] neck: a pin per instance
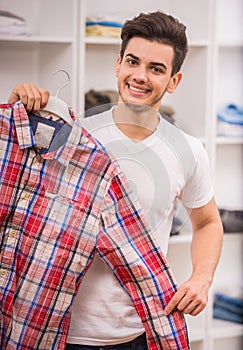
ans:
(136, 122)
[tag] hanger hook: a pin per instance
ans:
(65, 84)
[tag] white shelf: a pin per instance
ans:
(102, 41)
(181, 238)
(230, 43)
(36, 39)
(223, 140)
(117, 41)
(198, 44)
(225, 329)
(196, 335)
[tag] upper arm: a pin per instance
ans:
(202, 216)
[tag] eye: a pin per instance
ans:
(157, 70)
(131, 61)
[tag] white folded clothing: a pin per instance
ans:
(10, 19)
(15, 30)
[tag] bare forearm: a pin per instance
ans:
(192, 295)
(205, 250)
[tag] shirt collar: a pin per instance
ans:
(26, 137)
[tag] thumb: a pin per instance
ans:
(14, 97)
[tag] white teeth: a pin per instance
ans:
(136, 89)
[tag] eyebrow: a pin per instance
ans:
(152, 63)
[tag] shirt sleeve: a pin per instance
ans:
(198, 190)
(129, 248)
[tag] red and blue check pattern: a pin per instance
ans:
(56, 208)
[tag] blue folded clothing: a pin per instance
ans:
(230, 121)
(104, 23)
(228, 308)
(229, 299)
(231, 114)
(226, 315)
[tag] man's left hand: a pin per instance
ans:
(190, 298)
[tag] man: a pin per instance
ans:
(163, 162)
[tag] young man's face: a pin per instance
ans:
(144, 74)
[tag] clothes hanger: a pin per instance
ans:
(57, 106)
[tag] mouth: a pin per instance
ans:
(138, 91)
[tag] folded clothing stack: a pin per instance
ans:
(11, 24)
(228, 308)
(104, 26)
(232, 220)
(230, 121)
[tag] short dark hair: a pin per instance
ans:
(159, 27)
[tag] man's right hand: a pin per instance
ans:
(33, 97)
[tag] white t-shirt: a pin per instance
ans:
(167, 166)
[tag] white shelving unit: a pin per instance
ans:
(52, 46)
(213, 77)
(227, 160)
(228, 89)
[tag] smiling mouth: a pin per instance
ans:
(143, 91)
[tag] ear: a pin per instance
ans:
(174, 82)
(118, 64)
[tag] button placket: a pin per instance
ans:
(3, 276)
(9, 250)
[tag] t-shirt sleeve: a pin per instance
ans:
(198, 190)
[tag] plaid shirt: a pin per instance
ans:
(56, 208)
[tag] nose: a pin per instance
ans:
(140, 75)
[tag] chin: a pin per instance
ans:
(137, 107)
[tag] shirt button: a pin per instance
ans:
(13, 233)
(3, 272)
(26, 196)
(39, 159)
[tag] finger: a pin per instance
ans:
(32, 97)
(191, 305)
(37, 98)
(189, 308)
(16, 94)
(45, 94)
(200, 307)
(174, 302)
(196, 310)
(13, 97)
